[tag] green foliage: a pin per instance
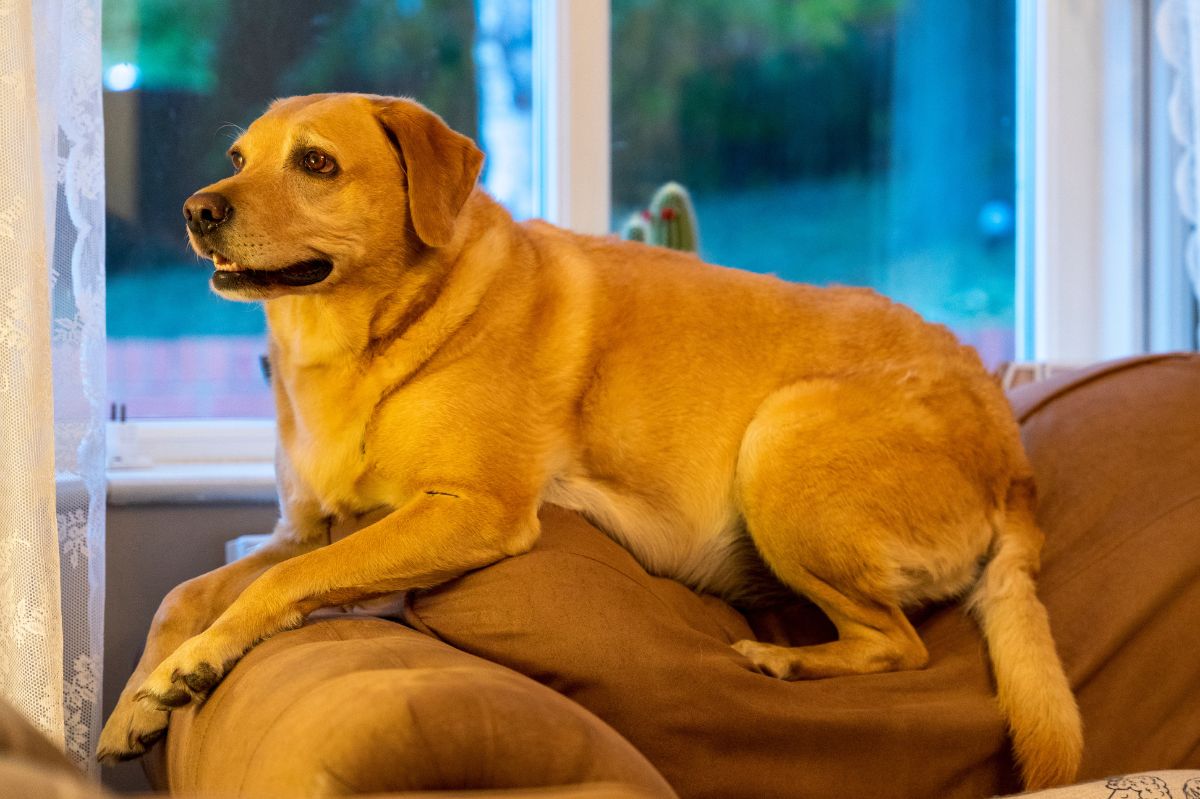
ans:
(422, 49)
(723, 82)
(828, 23)
(172, 42)
(314, 45)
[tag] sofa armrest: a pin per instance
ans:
(362, 705)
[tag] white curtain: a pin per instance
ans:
(1178, 28)
(52, 365)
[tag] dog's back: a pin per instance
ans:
(721, 406)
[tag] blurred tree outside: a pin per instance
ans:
(746, 93)
(165, 40)
(951, 181)
(850, 141)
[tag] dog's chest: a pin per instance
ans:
(327, 446)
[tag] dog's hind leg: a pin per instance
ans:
(850, 502)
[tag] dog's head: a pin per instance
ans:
(329, 190)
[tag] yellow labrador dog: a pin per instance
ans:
(450, 370)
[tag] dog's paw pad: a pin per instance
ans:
(202, 678)
(149, 738)
(173, 697)
(110, 757)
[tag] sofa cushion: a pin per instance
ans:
(1116, 448)
(363, 705)
(1117, 456)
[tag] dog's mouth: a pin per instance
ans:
(233, 277)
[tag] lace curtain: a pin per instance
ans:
(52, 368)
(1178, 28)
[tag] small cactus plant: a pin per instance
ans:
(670, 221)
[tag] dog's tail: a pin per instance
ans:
(1031, 686)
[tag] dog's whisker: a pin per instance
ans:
(224, 130)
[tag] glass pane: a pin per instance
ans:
(180, 79)
(866, 142)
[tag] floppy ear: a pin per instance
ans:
(442, 167)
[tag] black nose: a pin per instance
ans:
(205, 210)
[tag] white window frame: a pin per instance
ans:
(571, 112)
(191, 460)
(1100, 267)
(1171, 306)
(1099, 254)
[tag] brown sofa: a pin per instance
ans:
(648, 694)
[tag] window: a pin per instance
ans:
(180, 78)
(1103, 238)
(863, 142)
(857, 141)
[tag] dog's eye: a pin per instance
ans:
(238, 161)
(317, 161)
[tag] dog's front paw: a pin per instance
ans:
(132, 728)
(189, 673)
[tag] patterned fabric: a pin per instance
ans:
(52, 368)
(1159, 785)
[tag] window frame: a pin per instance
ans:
(1172, 310)
(572, 118)
(1132, 302)
(191, 460)
(1100, 237)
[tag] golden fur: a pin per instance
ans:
(455, 370)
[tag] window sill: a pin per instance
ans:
(180, 483)
(190, 461)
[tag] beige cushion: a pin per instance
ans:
(594, 790)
